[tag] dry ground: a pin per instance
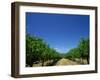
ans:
(64, 61)
(61, 62)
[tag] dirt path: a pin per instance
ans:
(64, 61)
(61, 62)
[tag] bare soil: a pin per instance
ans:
(64, 61)
(61, 62)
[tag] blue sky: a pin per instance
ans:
(61, 31)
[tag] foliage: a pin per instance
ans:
(38, 51)
(73, 53)
(84, 49)
(81, 51)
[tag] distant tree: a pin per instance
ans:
(72, 54)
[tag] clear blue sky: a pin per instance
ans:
(60, 31)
